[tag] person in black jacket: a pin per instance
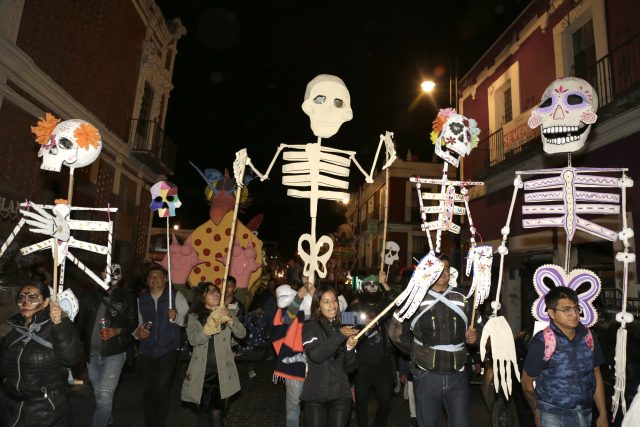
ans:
(106, 345)
(326, 392)
(34, 358)
(375, 352)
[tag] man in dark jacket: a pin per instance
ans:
(435, 338)
(159, 341)
(106, 323)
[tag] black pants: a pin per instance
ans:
(156, 381)
(380, 379)
(327, 413)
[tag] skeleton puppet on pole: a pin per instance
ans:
(454, 137)
(75, 144)
(565, 114)
(328, 105)
(165, 201)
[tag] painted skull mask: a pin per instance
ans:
(74, 143)
(328, 104)
(391, 253)
(565, 114)
(454, 134)
(164, 199)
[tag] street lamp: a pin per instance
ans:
(427, 86)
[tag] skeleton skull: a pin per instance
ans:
(328, 105)
(566, 112)
(391, 253)
(164, 199)
(73, 143)
(455, 134)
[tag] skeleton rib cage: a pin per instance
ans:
(570, 186)
(311, 166)
(446, 208)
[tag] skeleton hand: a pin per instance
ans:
(44, 223)
(503, 352)
(239, 164)
(390, 150)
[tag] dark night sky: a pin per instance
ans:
(242, 69)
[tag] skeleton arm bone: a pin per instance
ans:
(391, 156)
(503, 250)
(242, 156)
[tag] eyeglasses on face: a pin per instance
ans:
(29, 298)
(212, 291)
(570, 310)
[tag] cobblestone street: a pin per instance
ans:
(260, 403)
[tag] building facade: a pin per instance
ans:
(110, 65)
(596, 40)
(365, 215)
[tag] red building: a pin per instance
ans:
(110, 64)
(597, 40)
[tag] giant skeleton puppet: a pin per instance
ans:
(561, 198)
(75, 144)
(454, 136)
(317, 168)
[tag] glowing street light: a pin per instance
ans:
(427, 86)
(176, 227)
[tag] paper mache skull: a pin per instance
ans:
(74, 143)
(565, 113)
(391, 253)
(328, 104)
(454, 134)
(164, 198)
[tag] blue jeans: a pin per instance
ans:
(294, 391)
(104, 373)
(432, 391)
(551, 416)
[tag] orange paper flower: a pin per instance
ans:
(87, 135)
(44, 128)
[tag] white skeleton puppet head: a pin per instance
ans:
(74, 143)
(328, 104)
(454, 135)
(566, 112)
(391, 251)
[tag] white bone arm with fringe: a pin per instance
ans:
(503, 348)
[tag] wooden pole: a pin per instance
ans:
(169, 265)
(378, 317)
(386, 215)
(227, 265)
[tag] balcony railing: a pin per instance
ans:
(617, 75)
(616, 79)
(152, 146)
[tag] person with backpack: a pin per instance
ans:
(564, 360)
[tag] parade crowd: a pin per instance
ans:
(308, 330)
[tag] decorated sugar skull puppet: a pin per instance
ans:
(317, 172)
(72, 143)
(564, 198)
(165, 201)
(454, 136)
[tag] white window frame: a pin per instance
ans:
(495, 96)
(584, 11)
